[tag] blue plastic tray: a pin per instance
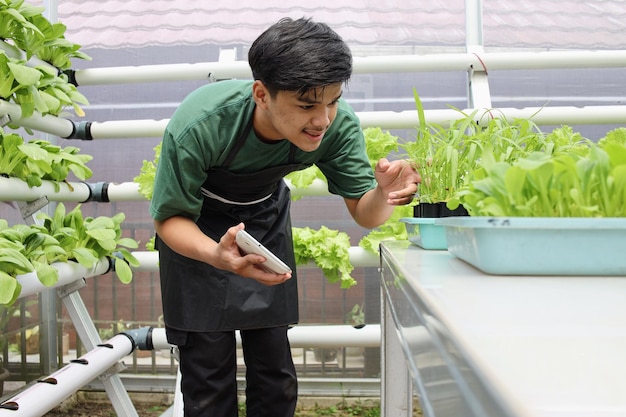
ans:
(539, 246)
(425, 233)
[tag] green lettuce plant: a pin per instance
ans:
(328, 249)
(36, 88)
(39, 89)
(62, 237)
(39, 160)
(583, 180)
(25, 26)
(88, 239)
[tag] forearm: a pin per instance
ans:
(372, 209)
(183, 236)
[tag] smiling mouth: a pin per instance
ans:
(314, 134)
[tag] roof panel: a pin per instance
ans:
(599, 24)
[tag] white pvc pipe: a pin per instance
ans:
(539, 115)
(68, 273)
(363, 65)
(334, 336)
(125, 191)
(359, 257)
(50, 124)
(305, 336)
(125, 129)
(491, 61)
(163, 72)
(43, 396)
(14, 189)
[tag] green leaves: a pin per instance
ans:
(87, 240)
(40, 88)
(379, 144)
(37, 89)
(449, 157)
(582, 180)
(329, 249)
(443, 155)
(31, 32)
(39, 160)
(145, 179)
(62, 237)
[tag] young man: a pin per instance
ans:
(224, 154)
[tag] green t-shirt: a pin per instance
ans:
(203, 129)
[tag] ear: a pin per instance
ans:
(260, 94)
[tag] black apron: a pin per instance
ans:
(198, 297)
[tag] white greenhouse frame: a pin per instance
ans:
(475, 63)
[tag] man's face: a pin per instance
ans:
(301, 119)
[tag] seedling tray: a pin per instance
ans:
(424, 233)
(539, 246)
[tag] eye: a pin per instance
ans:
(306, 107)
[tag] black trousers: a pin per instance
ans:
(208, 366)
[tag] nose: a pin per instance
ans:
(321, 118)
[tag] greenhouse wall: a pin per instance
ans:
(138, 33)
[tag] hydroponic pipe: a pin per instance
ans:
(362, 65)
(124, 129)
(50, 124)
(359, 257)
(68, 273)
(300, 336)
(540, 115)
(157, 73)
(48, 392)
(14, 189)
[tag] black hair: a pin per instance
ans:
(299, 55)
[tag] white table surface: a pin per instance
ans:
(549, 346)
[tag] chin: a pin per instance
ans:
(309, 147)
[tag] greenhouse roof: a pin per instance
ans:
(545, 24)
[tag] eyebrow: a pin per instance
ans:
(306, 99)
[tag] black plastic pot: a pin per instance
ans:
(428, 210)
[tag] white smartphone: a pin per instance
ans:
(248, 244)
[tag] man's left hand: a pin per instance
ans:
(398, 180)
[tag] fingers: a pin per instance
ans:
(274, 279)
(400, 199)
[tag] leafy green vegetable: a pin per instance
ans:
(62, 237)
(304, 178)
(145, 179)
(37, 89)
(579, 181)
(40, 88)
(87, 240)
(31, 32)
(329, 249)
(392, 229)
(39, 160)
